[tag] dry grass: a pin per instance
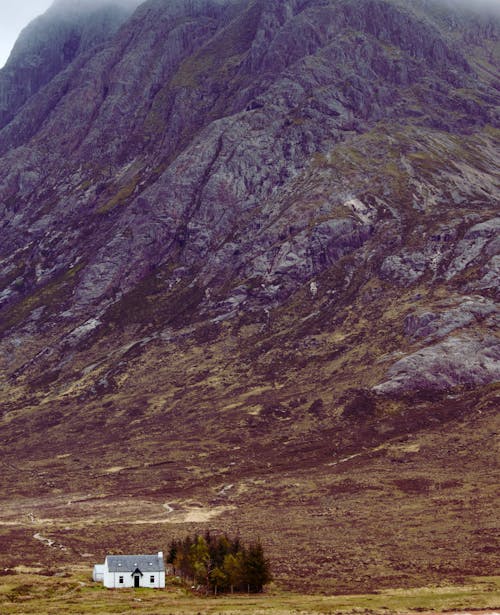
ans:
(72, 593)
(413, 511)
(349, 493)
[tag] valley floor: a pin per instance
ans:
(414, 511)
(27, 592)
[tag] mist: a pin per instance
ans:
(17, 15)
(476, 6)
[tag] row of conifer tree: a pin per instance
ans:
(219, 563)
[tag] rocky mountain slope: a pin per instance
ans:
(51, 42)
(244, 240)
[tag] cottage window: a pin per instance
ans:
(120, 579)
(152, 578)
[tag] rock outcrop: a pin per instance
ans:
(455, 362)
(240, 152)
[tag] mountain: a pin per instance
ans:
(51, 42)
(249, 267)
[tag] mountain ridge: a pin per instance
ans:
(262, 234)
(51, 42)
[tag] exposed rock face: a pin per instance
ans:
(444, 366)
(249, 258)
(241, 151)
(404, 268)
(433, 326)
(480, 239)
(456, 360)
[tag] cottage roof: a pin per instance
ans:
(130, 563)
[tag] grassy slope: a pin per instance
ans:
(272, 408)
(261, 406)
(28, 592)
(414, 510)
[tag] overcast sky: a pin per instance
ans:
(14, 15)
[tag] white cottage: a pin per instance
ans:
(131, 571)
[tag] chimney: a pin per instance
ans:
(160, 554)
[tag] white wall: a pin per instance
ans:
(98, 573)
(112, 579)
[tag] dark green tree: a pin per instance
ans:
(218, 579)
(233, 567)
(220, 563)
(256, 568)
(199, 555)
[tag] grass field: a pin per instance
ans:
(29, 592)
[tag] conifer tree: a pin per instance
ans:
(256, 567)
(218, 579)
(200, 560)
(220, 563)
(233, 567)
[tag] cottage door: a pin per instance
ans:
(136, 580)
